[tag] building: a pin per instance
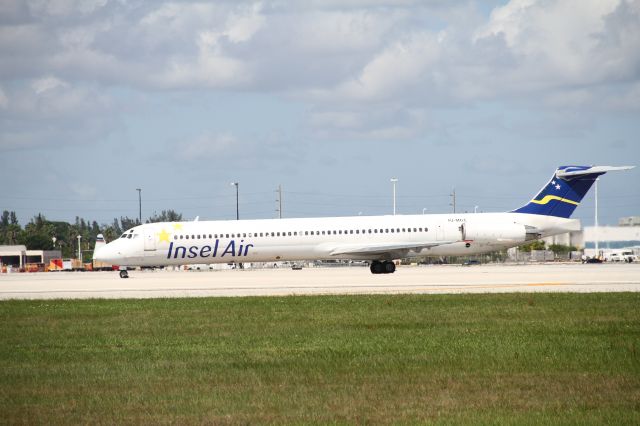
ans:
(629, 221)
(18, 256)
(15, 256)
(611, 238)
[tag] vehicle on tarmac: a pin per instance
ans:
(622, 256)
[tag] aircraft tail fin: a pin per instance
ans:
(565, 190)
(100, 242)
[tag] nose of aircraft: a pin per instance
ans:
(106, 253)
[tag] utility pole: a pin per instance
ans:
(237, 184)
(279, 201)
(453, 196)
(394, 181)
(139, 205)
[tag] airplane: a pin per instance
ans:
(377, 239)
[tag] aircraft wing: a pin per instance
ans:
(382, 250)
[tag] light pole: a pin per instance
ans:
(394, 181)
(53, 239)
(596, 219)
(237, 184)
(139, 205)
(475, 209)
(453, 196)
(79, 248)
(424, 209)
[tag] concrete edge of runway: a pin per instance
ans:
(323, 281)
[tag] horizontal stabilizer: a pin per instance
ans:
(572, 171)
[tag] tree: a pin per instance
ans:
(533, 245)
(37, 234)
(561, 248)
(165, 216)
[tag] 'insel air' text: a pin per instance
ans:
(181, 252)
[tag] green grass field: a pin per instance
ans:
(513, 358)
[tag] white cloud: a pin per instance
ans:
(399, 67)
(62, 8)
(209, 146)
(47, 83)
(4, 101)
(337, 58)
(65, 114)
(83, 189)
(555, 43)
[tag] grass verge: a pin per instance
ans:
(504, 358)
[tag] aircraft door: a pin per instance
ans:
(439, 233)
(149, 239)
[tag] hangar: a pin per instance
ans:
(19, 257)
(13, 256)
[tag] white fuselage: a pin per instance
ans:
(357, 237)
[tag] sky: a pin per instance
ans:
(329, 99)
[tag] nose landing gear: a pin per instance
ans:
(385, 267)
(124, 274)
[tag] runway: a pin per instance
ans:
(445, 279)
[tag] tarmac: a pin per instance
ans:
(433, 279)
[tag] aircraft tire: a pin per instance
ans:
(124, 274)
(389, 267)
(377, 267)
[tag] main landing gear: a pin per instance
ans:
(385, 267)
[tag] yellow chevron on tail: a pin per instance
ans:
(548, 198)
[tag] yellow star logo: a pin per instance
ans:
(163, 236)
(177, 226)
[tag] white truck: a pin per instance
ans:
(621, 256)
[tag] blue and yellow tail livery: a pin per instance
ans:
(565, 190)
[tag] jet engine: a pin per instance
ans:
(503, 232)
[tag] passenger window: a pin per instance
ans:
(420, 229)
(392, 230)
(357, 231)
(340, 232)
(181, 236)
(375, 231)
(186, 236)
(289, 234)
